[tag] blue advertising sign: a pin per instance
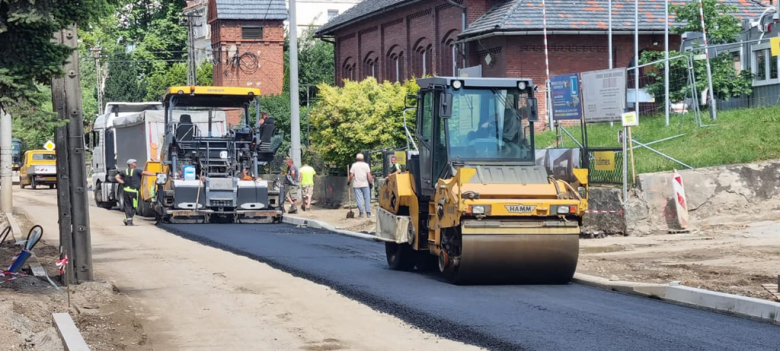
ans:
(565, 92)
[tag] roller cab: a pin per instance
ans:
(473, 204)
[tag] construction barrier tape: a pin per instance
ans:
(61, 264)
(13, 276)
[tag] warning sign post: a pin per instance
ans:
(680, 202)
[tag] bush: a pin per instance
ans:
(359, 116)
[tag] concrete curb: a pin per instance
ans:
(699, 298)
(15, 229)
(326, 226)
(673, 292)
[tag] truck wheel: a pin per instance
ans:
(145, 209)
(21, 183)
(106, 205)
(400, 257)
(51, 186)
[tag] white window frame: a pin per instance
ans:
(424, 63)
(454, 60)
(397, 68)
(767, 65)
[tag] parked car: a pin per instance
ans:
(39, 167)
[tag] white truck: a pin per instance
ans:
(102, 142)
(135, 130)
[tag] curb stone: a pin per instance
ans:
(743, 306)
(15, 229)
(749, 307)
(311, 223)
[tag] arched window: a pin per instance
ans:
(370, 64)
(394, 65)
(422, 62)
(348, 69)
(448, 58)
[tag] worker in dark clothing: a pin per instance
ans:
(131, 179)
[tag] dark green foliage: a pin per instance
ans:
(28, 54)
(124, 82)
(722, 27)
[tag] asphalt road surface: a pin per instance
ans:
(511, 317)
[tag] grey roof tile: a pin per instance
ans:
(251, 9)
(364, 8)
(575, 15)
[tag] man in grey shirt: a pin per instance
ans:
(291, 185)
(361, 179)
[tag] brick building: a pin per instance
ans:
(247, 42)
(397, 39)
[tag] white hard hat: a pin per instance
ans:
(131, 161)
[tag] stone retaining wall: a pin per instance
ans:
(715, 195)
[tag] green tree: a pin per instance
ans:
(160, 81)
(359, 116)
(722, 27)
(124, 83)
(33, 119)
(29, 56)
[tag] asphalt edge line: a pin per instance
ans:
(353, 293)
(749, 307)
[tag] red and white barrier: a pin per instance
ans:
(680, 201)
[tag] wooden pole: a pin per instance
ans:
(631, 152)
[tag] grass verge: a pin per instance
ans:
(738, 136)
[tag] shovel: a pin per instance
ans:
(350, 214)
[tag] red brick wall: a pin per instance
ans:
(436, 23)
(405, 32)
(524, 55)
(267, 74)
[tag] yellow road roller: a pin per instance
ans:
(474, 201)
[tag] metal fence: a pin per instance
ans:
(605, 165)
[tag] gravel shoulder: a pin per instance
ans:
(190, 296)
(103, 315)
(735, 258)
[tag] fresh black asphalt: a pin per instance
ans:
(509, 317)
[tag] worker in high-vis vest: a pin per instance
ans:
(131, 181)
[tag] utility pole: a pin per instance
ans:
(609, 42)
(295, 117)
(72, 198)
(6, 182)
(96, 55)
(192, 68)
(666, 66)
(711, 92)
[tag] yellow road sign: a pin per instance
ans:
(774, 44)
(49, 146)
(605, 160)
(630, 119)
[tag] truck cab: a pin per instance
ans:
(102, 143)
(39, 167)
